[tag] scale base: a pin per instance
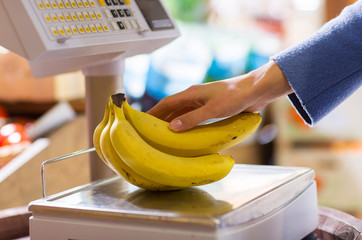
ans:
(274, 203)
(283, 224)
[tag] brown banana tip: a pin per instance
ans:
(118, 99)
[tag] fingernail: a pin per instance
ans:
(175, 124)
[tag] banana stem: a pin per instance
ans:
(118, 99)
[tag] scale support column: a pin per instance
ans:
(102, 80)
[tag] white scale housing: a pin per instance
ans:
(252, 203)
(58, 36)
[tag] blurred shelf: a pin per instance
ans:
(36, 109)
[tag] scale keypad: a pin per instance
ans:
(82, 18)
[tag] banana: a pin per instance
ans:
(117, 163)
(160, 167)
(97, 135)
(203, 139)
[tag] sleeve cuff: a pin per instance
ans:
(300, 109)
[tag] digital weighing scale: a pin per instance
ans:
(252, 202)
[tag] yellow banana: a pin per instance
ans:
(97, 135)
(160, 167)
(201, 140)
(118, 165)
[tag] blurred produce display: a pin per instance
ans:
(13, 136)
(333, 148)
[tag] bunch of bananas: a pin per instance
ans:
(143, 150)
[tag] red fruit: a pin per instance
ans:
(12, 133)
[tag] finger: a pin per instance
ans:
(190, 119)
(165, 107)
(178, 113)
(174, 105)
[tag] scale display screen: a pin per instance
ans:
(154, 14)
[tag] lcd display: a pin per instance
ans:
(155, 14)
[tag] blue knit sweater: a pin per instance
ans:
(326, 68)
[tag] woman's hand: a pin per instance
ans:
(247, 93)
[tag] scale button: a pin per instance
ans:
(67, 30)
(114, 13)
(93, 28)
(121, 25)
(120, 13)
(81, 29)
(127, 12)
(61, 30)
(98, 14)
(121, 2)
(105, 27)
(80, 3)
(86, 15)
(92, 15)
(86, 28)
(115, 26)
(60, 4)
(102, 3)
(80, 16)
(115, 2)
(73, 3)
(108, 2)
(67, 17)
(54, 17)
(74, 29)
(47, 18)
(74, 16)
(99, 27)
(86, 3)
(108, 13)
(40, 4)
(134, 24)
(133, 13)
(128, 24)
(47, 4)
(92, 3)
(60, 17)
(54, 31)
(54, 4)
(67, 4)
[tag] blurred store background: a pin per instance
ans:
(220, 39)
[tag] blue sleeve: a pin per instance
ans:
(326, 68)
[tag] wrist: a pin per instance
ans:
(270, 82)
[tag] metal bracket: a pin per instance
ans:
(58, 159)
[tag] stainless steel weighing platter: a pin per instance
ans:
(252, 199)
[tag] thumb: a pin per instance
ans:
(189, 120)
